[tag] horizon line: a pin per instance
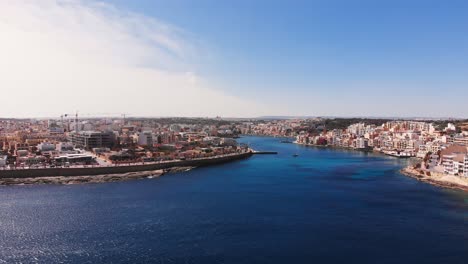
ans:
(257, 117)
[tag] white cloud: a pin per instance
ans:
(59, 56)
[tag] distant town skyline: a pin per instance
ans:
(242, 59)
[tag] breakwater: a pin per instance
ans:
(51, 172)
(265, 152)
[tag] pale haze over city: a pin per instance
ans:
(248, 59)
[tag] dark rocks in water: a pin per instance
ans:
(178, 169)
(92, 178)
(82, 179)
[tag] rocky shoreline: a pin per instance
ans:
(67, 180)
(446, 181)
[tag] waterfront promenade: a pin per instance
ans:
(119, 168)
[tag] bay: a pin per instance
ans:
(324, 206)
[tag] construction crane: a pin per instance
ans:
(76, 122)
(62, 123)
(68, 121)
(96, 115)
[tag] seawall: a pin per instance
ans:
(51, 172)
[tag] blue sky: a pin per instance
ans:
(412, 52)
(335, 58)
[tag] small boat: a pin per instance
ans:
(286, 141)
(295, 155)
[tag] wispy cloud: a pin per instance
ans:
(59, 56)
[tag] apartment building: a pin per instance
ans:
(462, 141)
(465, 166)
(448, 163)
(145, 138)
(93, 139)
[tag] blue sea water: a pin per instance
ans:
(324, 206)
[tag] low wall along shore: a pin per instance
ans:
(50, 172)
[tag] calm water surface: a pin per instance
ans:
(325, 206)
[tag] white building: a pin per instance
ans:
(3, 161)
(465, 167)
(450, 126)
(46, 146)
(422, 151)
(435, 147)
(455, 164)
(447, 162)
(65, 147)
(361, 143)
(145, 138)
(228, 142)
(462, 141)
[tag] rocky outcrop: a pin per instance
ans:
(82, 179)
(445, 181)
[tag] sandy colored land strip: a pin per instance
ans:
(446, 181)
(82, 179)
(92, 178)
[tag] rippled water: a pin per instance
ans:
(325, 206)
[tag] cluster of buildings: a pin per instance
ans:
(401, 138)
(34, 143)
(103, 142)
(442, 150)
(277, 128)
